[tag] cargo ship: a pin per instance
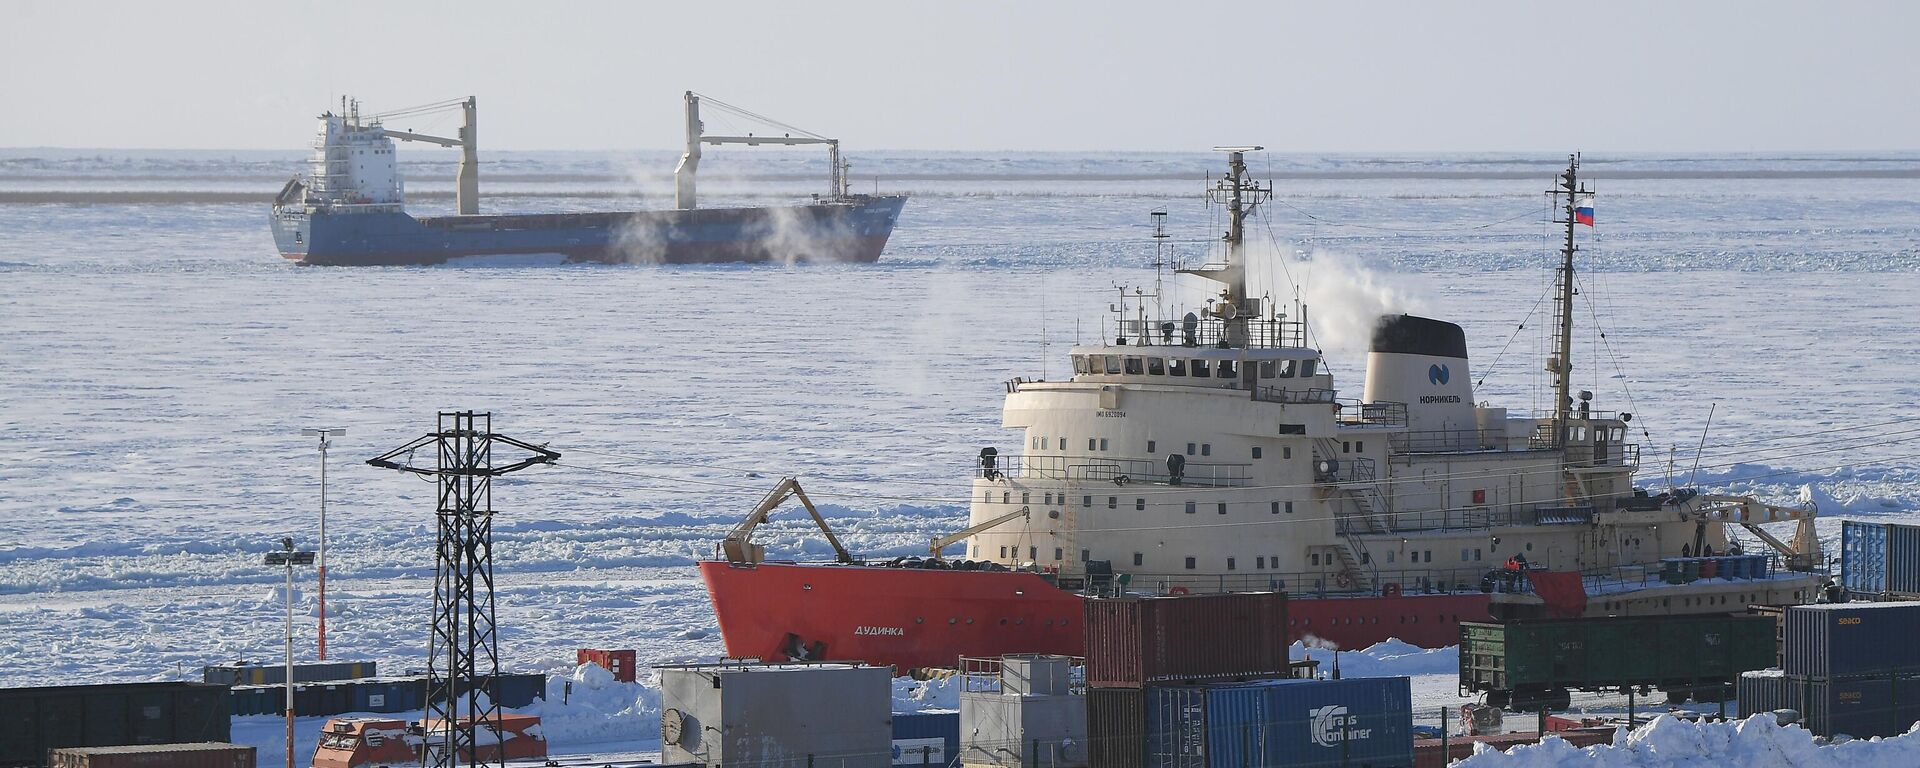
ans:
(350, 208)
(1210, 449)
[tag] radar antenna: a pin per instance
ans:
(1241, 195)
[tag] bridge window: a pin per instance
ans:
(1200, 368)
(1306, 367)
(1080, 364)
(1227, 370)
(1190, 507)
(1287, 368)
(1139, 559)
(1113, 363)
(1176, 367)
(1266, 369)
(1156, 366)
(1133, 366)
(1190, 564)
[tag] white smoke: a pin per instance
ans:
(641, 239)
(1346, 296)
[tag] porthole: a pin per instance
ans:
(953, 621)
(919, 619)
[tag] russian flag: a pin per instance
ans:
(1583, 210)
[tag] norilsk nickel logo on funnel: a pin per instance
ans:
(1438, 373)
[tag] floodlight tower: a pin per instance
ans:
(289, 558)
(323, 433)
(463, 652)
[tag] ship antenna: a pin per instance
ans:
(1159, 216)
(1241, 196)
(1561, 363)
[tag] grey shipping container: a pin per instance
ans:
(912, 729)
(1857, 706)
(1135, 641)
(1880, 559)
(1297, 723)
(273, 674)
(36, 720)
(1847, 639)
(777, 716)
(194, 755)
(1117, 727)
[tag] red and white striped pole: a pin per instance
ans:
(324, 444)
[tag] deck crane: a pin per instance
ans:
(683, 174)
(739, 548)
(467, 187)
(941, 542)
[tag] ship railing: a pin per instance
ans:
(1450, 440)
(1295, 396)
(1350, 411)
(1214, 332)
(1474, 518)
(1111, 470)
(1315, 583)
(1343, 471)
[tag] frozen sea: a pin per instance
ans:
(158, 360)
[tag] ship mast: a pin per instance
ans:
(1561, 363)
(1241, 195)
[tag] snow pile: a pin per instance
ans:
(910, 695)
(1390, 658)
(1757, 742)
(590, 707)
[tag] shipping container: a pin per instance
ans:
(1880, 559)
(776, 715)
(274, 674)
(1880, 705)
(1533, 662)
(1135, 641)
(926, 738)
(36, 720)
(1117, 727)
(1847, 639)
(620, 662)
(1353, 722)
(194, 755)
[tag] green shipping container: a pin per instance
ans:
(1672, 652)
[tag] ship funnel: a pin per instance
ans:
(1422, 362)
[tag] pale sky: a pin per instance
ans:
(894, 74)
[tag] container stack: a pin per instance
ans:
(1022, 712)
(1205, 682)
(1135, 643)
(1849, 668)
(1880, 561)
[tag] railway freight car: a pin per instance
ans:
(1533, 663)
(34, 721)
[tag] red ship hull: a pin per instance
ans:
(929, 618)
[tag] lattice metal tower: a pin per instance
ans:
(463, 653)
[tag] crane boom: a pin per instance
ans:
(411, 136)
(941, 542)
(739, 548)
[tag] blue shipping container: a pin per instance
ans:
(1351, 722)
(941, 724)
(1879, 558)
(1850, 639)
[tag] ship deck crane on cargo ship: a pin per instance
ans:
(1209, 450)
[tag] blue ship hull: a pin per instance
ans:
(854, 229)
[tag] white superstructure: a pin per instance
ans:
(353, 163)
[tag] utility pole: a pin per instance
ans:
(323, 433)
(463, 651)
(289, 558)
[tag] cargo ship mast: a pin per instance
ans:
(1241, 196)
(683, 174)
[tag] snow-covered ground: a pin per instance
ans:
(159, 362)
